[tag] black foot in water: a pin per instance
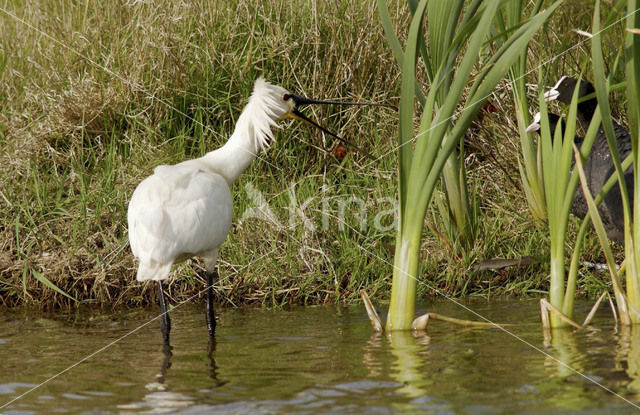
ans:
(165, 321)
(211, 316)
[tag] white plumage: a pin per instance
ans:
(179, 212)
(185, 210)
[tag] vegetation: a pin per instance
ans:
(560, 181)
(95, 95)
(628, 303)
(560, 184)
(454, 50)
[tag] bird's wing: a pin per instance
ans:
(176, 176)
(180, 209)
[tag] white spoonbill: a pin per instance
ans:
(185, 210)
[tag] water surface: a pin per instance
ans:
(313, 360)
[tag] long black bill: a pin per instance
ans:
(300, 116)
(300, 100)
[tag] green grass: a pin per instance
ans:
(76, 139)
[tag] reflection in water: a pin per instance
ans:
(160, 398)
(213, 367)
(583, 364)
(629, 355)
(566, 368)
(408, 368)
(566, 354)
(371, 357)
(167, 352)
(159, 385)
(160, 402)
(314, 360)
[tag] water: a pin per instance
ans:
(313, 360)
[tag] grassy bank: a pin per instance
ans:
(97, 95)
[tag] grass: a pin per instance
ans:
(79, 130)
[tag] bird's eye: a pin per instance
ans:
(566, 85)
(286, 97)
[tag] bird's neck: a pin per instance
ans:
(232, 159)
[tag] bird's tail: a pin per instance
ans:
(153, 270)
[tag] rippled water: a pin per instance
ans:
(313, 360)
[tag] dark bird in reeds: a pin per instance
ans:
(598, 166)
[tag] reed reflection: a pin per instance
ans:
(409, 365)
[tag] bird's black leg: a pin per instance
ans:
(164, 319)
(211, 317)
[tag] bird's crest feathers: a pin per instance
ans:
(266, 106)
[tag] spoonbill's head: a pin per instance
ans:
(273, 103)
